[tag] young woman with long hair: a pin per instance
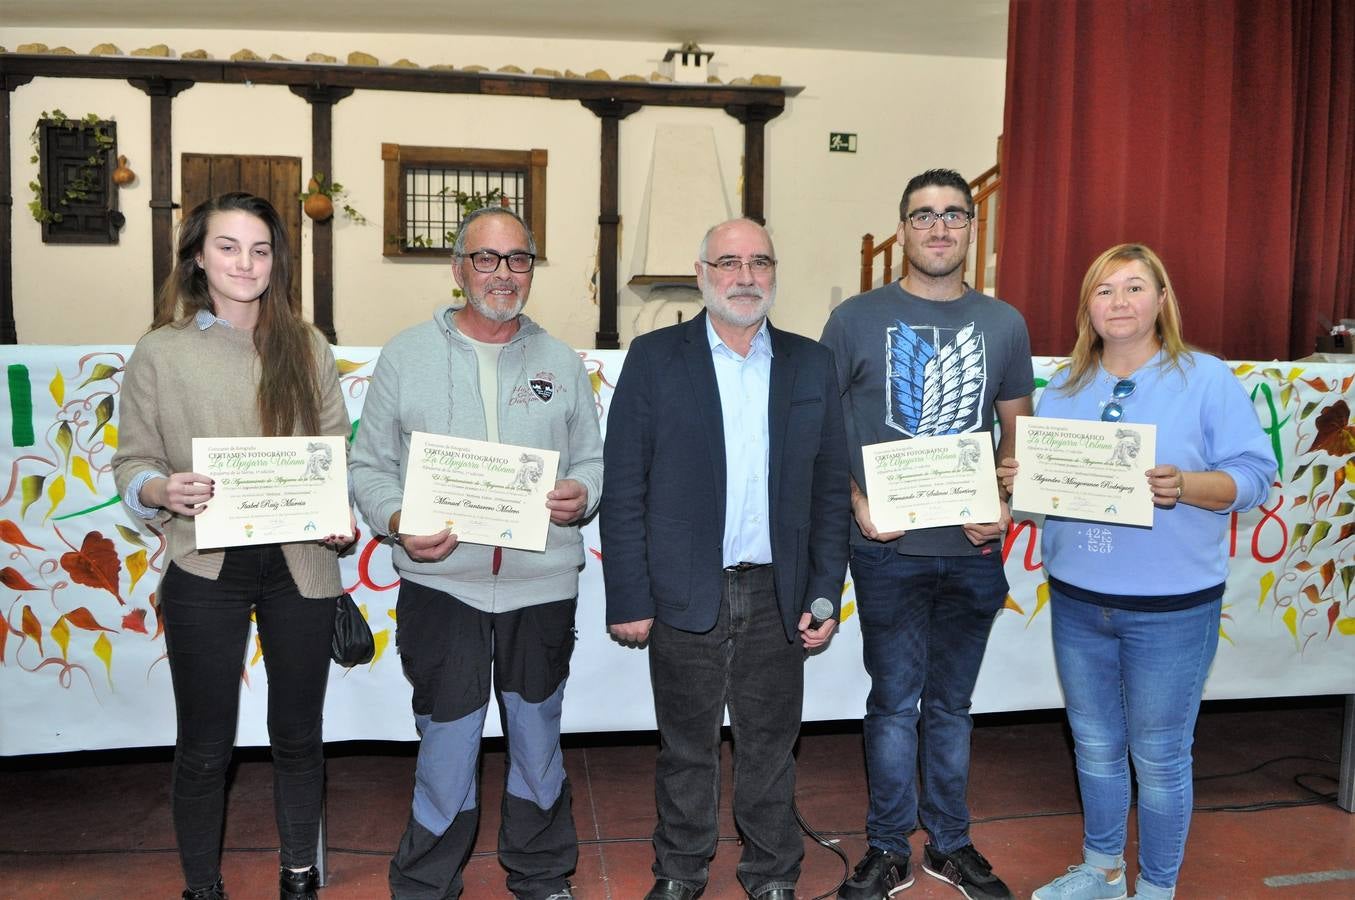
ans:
(228, 356)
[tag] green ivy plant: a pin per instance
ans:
(467, 203)
(91, 173)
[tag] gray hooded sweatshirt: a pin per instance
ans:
(427, 379)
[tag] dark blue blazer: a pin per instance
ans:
(663, 498)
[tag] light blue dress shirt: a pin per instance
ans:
(744, 384)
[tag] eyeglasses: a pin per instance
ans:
(951, 218)
(1111, 410)
(758, 265)
(487, 261)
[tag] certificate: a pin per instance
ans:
(272, 490)
(1081, 469)
(484, 493)
(925, 482)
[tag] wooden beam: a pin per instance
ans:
(611, 111)
(9, 333)
(162, 92)
(754, 119)
(388, 78)
(322, 99)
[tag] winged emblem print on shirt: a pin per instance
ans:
(935, 379)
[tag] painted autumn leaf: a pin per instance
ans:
(12, 534)
(80, 469)
(159, 619)
(83, 619)
(95, 564)
(56, 492)
(64, 439)
(136, 567)
(104, 650)
(57, 388)
(31, 489)
(348, 367)
(1335, 434)
(62, 635)
(31, 626)
(135, 621)
(99, 373)
(130, 535)
(13, 579)
(103, 413)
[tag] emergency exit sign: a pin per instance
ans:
(841, 142)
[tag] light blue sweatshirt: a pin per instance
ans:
(1205, 421)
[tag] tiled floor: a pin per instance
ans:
(96, 825)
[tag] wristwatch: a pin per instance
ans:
(394, 538)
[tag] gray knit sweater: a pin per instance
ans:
(427, 379)
(183, 382)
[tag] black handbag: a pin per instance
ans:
(353, 643)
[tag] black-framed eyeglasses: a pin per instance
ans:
(758, 265)
(487, 261)
(951, 218)
(1112, 410)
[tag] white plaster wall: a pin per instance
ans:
(910, 112)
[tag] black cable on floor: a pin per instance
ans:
(831, 845)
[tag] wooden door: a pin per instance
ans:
(275, 178)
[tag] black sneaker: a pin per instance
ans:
(878, 875)
(967, 871)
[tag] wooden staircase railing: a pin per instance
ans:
(985, 188)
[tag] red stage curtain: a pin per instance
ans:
(1219, 133)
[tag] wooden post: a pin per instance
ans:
(9, 333)
(162, 92)
(611, 112)
(322, 99)
(754, 119)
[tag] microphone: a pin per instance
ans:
(820, 611)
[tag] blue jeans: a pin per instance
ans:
(1132, 683)
(924, 627)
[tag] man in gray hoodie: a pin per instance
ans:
(484, 371)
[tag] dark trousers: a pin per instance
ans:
(453, 654)
(206, 627)
(745, 663)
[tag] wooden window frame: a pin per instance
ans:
(74, 228)
(398, 157)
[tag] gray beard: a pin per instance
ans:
(495, 314)
(725, 311)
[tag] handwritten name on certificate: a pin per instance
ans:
(925, 482)
(272, 490)
(1082, 469)
(484, 493)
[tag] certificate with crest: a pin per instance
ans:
(485, 493)
(272, 490)
(1081, 469)
(926, 482)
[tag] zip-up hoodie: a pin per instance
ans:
(427, 379)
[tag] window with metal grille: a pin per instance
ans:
(429, 190)
(79, 200)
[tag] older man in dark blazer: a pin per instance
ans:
(725, 511)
